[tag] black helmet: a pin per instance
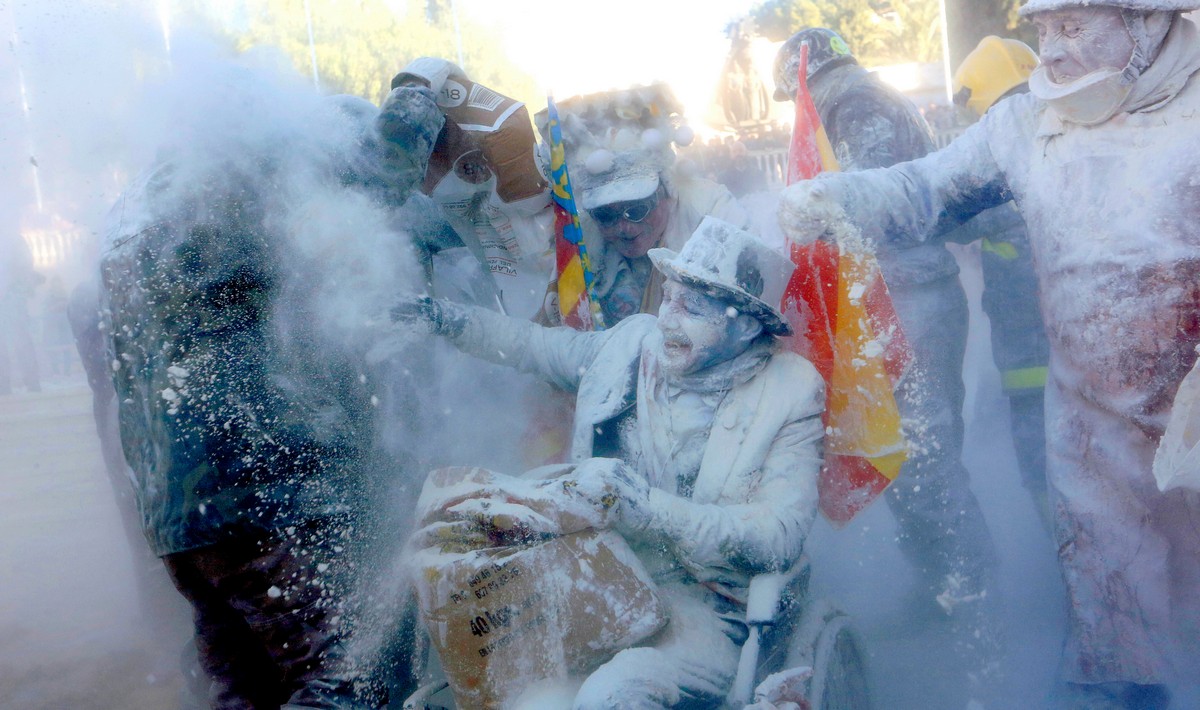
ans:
(826, 48)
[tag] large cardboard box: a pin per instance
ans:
(504, 618)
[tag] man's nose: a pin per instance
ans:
(1052, 53)
(627, 229)
(613, 231)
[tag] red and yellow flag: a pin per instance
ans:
(847, 327)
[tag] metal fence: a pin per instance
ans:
(773, 164)
(53, 249)
(943, 137)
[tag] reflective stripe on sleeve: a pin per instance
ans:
(1025, 378)
(1004, 250)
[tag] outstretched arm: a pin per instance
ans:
(558, 355)
(913, 202)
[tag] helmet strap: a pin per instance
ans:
(1148, 31)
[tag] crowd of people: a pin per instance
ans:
(267, 387)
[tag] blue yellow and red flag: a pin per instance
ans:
(847, 327)
(574, 271)
(547, 438)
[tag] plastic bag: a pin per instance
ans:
(1177, 461)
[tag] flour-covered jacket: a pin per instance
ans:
(755, 495)
(234, 420)
(1113, 213)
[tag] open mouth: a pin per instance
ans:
(672, 347)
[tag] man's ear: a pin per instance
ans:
(746, 327)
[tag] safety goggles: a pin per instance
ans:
(633, 211)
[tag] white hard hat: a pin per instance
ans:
(732, 265)
(1035, 6)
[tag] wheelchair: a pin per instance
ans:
(787, 634)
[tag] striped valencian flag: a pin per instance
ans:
(579, 310)
(547, 437)
(847, 327)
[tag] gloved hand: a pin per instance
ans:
(483, 522)
(464, 509)
(811, 210)
(441, 317)
(784, 690)
(630, 492)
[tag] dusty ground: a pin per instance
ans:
(73, 633)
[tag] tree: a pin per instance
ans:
(972, 20)
(879, 33)
(883, 32)
(361, 44)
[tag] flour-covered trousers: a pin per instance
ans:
(1130, 555)
(942, 530)
(692, 660)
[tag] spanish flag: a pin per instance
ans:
(846, 326)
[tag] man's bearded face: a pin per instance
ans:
(698, 330)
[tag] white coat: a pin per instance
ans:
(755, 497)
(1113, 213)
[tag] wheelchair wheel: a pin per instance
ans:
(839, 680)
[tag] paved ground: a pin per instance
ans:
(72, 630)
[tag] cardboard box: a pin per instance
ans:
(503, 618)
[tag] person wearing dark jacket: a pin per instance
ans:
(942, 529)
(246, 420)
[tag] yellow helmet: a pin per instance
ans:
(991, 70)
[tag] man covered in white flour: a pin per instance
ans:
(1103, 161)
(718, 439)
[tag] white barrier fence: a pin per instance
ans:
(54, 249)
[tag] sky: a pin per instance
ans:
(613, 44)
(628, 41)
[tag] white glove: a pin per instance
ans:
(631, 491)
(811, 210)
(463, 509)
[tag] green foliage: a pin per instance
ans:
(972, 20)
(878, 32)
(361, 44)
(894, 31)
